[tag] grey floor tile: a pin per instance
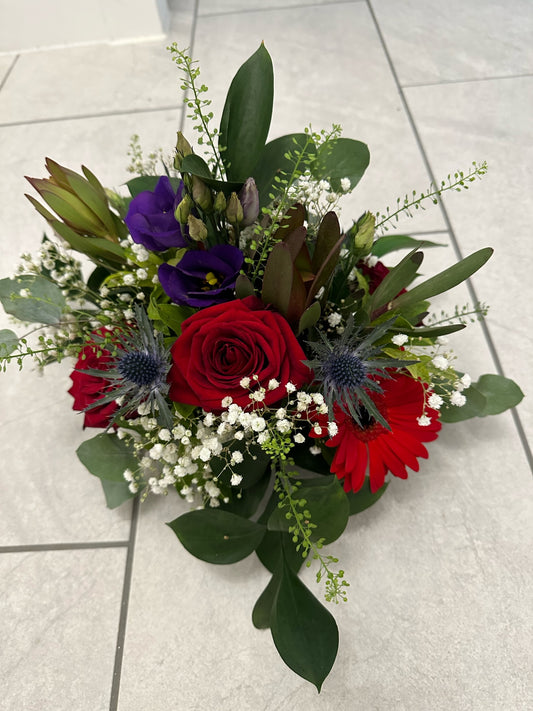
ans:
(80, 81)
(59, 612)
(219, 7)
(432, 41)
(494, 212)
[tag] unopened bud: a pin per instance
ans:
(220, 202)
(201, 194)
(234, 211)
(364, 236)
(183, 148)
(181, 213)
(249, 199)
(197, 229)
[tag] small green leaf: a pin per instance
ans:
(490, 395)
(304, 632)
(429, 331)
(390, 243)
(107, 457)
(217, 536)
(246, 117)
(115, 492)
(43, 304)
(364, 498)
(243, 287)
(445, 280)
(309, 317)
(341, 158)
(8, 342)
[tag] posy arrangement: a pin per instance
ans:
(235, 344)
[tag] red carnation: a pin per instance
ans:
(374, 448)
(87, 389)
(222, 344)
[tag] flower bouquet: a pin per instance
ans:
(234, 343)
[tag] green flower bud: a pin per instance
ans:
(234, 211)
(201, 194)
(183, 148)
(220, 202)
(181, 213)
(364, 232)
(197, 229)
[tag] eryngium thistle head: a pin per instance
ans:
(138, 370)
(349, 367)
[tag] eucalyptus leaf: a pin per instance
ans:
(217, 536)
(43, 302)
(490, 395)
(304, 632)
(8, 342)
(116, 492)
(107, 457)
(246, 116)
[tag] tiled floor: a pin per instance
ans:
(104, 609)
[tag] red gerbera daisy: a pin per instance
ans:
(374, 448)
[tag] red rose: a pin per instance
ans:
(87, 389)
(222, 344)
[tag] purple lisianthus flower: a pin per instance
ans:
(151, 220)
(203, 278)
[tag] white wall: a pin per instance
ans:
(27, 25)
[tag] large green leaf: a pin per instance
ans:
(116, 492)
(391, 243)
(364, 498)
(246, 503)
(304, 632)
(263, 607)
(44, 302)
(445, 280)
(341, 158)
(277, 279)
(490, 395)
(107, 457)
(327, 503)
(246, 117)
(278, 158)
(253, 467)
(217, 536)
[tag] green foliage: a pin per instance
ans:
(490, 395)
(304, 632)
(116, 492)
(391, 243)
(459, 181)
(107, 457)
(341, 158)
(217, 536)
(364, 498)
(9, 342)
(246, 117)
(33, 299)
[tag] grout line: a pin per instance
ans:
(453, 237)
(62, 546)
(102, 114)
(119, 650)
(466, 81)
(274, 9)
(7, 74)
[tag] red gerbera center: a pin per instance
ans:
(371, 448)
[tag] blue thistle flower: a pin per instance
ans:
(137, 370)
(351, 366)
